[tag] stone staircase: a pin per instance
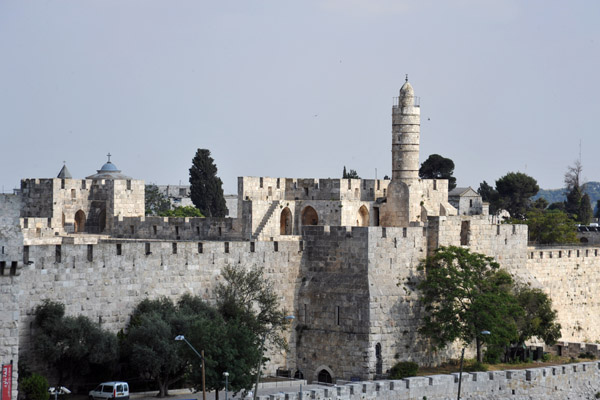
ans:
(265, 219)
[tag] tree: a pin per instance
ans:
(464, 294)
(540, 204)
(438, 167)
(585, 210)
(515, 190)
(228, 346)
(149, 344)
(559, 205)
(538, 318)
(573, 202)
(573, 175)
(206, 188)
(578, 204)
(550, 226)
(350, 175)
(248, 298)
(186, 211)
(156, 202)
(490, 195)
(74, 346)
(597, 215)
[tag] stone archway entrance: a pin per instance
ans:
(79, 221)
(309, 216)
(324, 376)
(285, 222)
(363, 216)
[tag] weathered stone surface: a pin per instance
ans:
(349, 281)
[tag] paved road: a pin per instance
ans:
(182, 394)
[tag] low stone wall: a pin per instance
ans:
(570, 349)
(571, 381)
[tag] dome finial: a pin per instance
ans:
(406, 79)
(108, 155)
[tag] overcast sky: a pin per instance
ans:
(296, 88)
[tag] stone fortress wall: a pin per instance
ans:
(107, 279)
(573, 381)
(96, 200)
(334, 202)
(342, 253)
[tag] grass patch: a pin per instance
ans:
(471, 365)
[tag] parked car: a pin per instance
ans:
(110, 390)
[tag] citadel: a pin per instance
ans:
(336, 250)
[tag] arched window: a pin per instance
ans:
(309, 216)
(79, 221)
(324, 376)
(285, 222)
(363, 216)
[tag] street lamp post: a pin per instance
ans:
(462, 357)
(226, 375)
(262, 351)
(181, 337)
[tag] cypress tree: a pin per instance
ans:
(206, 187)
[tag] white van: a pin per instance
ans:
(110, 390)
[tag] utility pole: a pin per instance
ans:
(203, 378)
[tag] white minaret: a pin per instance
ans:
(406, 132)
(403, 205)
(409, 199)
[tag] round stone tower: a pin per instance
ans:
(406, 132)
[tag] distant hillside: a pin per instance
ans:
(554, 195)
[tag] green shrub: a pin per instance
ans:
(587, 354)
(35, 387)
(546, 357)
(475, 367)
(404, 369)
(493, 354)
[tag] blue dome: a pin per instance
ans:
(109, 167)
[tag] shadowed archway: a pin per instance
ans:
(324, 376)
(79, 221)
(285, 222)
(309, 216)
(102, 221)
(363, 216)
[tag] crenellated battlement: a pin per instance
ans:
(266, 188)
(557, 382)
(174, 228)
